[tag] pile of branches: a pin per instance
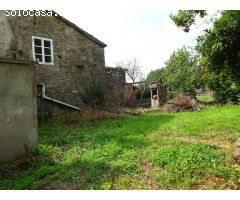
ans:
(182, 103)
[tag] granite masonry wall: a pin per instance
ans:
(115, 80)
(76, 57)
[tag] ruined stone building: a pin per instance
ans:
(67, 59)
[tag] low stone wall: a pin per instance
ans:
(115, 90)
(18, 110)
(145, 103)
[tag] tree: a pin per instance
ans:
(133, 69)
(143, 86)
(219, 47)
(156, 75)
(225, 89)
(180, 72)
(186, 18)
(134, 73)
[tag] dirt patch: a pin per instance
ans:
(147, 176)
(223, 146)
(210, 183)
(13, 168)
(219, 136)
(144, 180)
(213, 183)
(43, 185)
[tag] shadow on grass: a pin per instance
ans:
(88, 157)
(101, 132)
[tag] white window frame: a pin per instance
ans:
(43, 53)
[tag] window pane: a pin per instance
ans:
(37, 42)
(38, 50)
(38, 58)
(47, 43)
(48, 59)
(47, 51)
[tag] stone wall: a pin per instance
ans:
(76, 57)
(115, 91)
(18, 111)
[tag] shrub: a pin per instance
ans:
(144, 94)
(225, 89)
(93, 93)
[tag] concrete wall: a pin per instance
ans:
(18, 112)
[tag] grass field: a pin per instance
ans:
(205, 99)
(189, 150)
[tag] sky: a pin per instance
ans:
(130, 28)
(149, 35)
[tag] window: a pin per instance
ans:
(42, 49)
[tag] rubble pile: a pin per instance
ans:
(182, 103)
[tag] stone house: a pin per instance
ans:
(67, 58)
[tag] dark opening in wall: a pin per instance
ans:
(154, 92)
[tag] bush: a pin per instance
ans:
(225, 89)
(94, 93)
(146, 93)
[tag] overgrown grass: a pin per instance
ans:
(189, 150)
(205, 99)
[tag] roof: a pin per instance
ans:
(89, 36)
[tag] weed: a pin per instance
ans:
(188, 150)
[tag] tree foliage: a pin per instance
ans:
(225, 89)
(143, 92)
(186, 18)
(220, 45)
(220, 50)
(156, 75)
(179, 74)
(133, 68)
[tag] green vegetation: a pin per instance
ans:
(206, 99)
(220, 51)
(156, 75)
(94, 92)
(225, 89)
(219, 45)
(186, 18)
(189, 150)
(181, 73)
